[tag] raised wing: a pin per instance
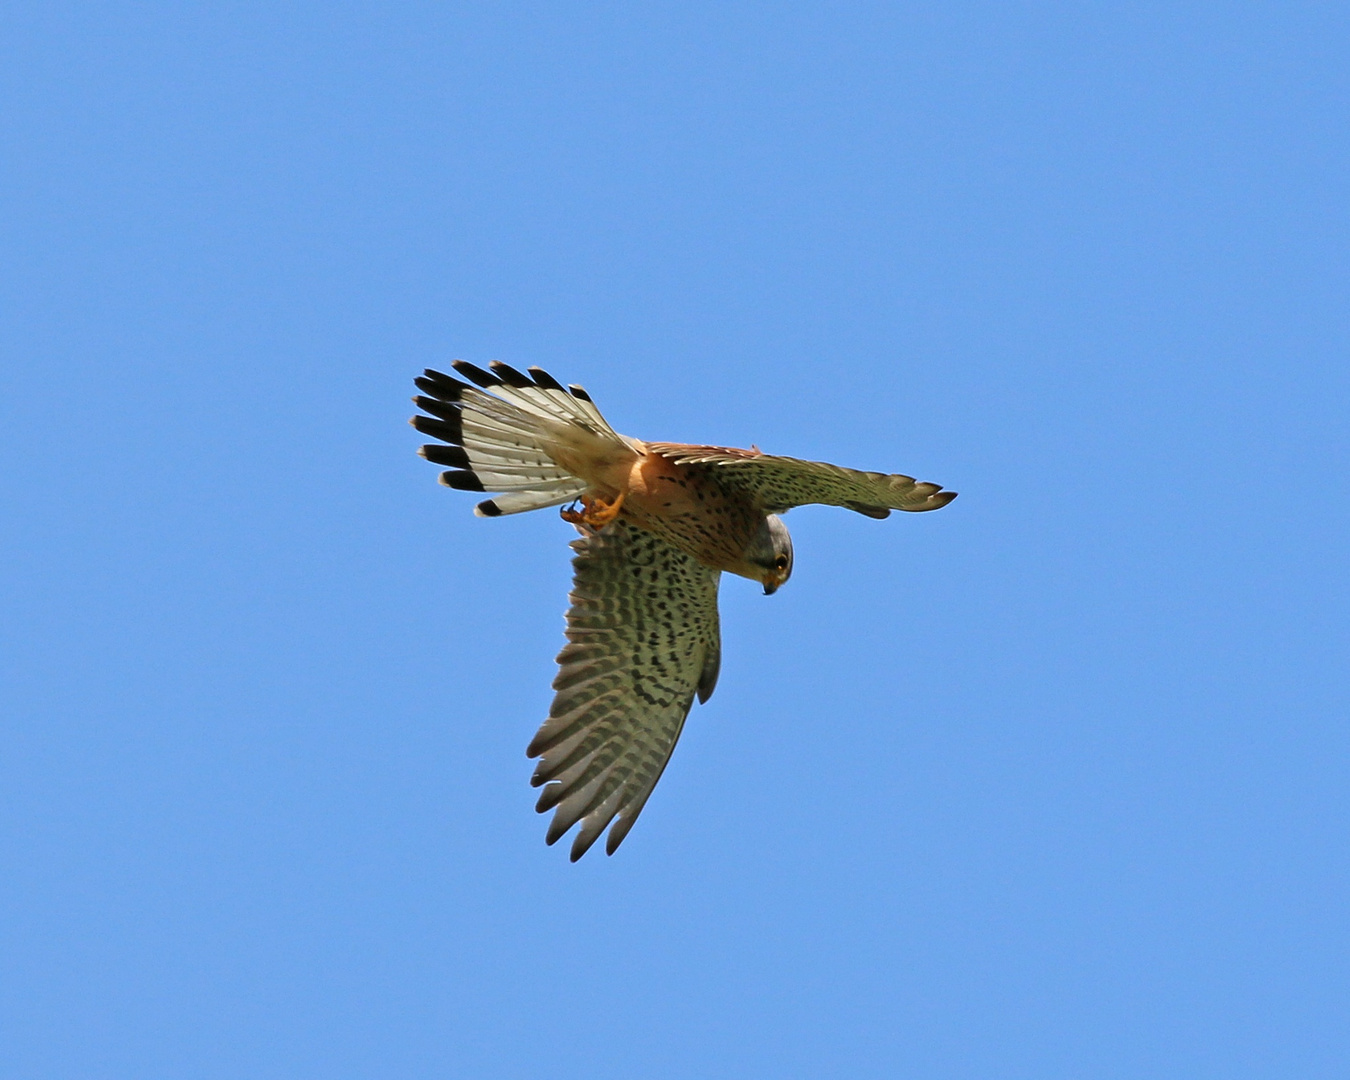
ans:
(642, 641)
(780, 483)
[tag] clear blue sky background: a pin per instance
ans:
(1051, 784)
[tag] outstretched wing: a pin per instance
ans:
(780, 483)
(642, 641)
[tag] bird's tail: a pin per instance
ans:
(507, 440)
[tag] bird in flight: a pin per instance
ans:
(659, 524)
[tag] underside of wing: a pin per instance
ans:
(642, 642)
(780, 483)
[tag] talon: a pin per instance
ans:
(569, 513)
(595, 513)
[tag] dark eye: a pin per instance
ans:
(780, 563)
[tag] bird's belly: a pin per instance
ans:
(686, 506)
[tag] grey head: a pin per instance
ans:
(770, 553)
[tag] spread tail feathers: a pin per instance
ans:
(505, 440)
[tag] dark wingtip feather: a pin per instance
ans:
(556, 828)
(453, 457)
(617, 832)
(462, 481)
(488, 508)
(440, 385)
(579, 392)
(581, 845)
(476, 374)
(548, 799)
(450, 430)
(510, 375)
(547, 737)
(545, 381)
(446, 410)
(936, 501)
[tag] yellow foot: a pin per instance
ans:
(594, 512)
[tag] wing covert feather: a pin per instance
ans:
(642, 642)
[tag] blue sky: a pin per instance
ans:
(1050, 784)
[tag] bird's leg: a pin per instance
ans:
(595, 513)
(601, 513)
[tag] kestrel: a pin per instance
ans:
(659, 523)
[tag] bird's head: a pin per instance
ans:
(768, 558)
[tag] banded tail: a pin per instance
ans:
(506, 440)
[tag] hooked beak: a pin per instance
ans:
(770, 587)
